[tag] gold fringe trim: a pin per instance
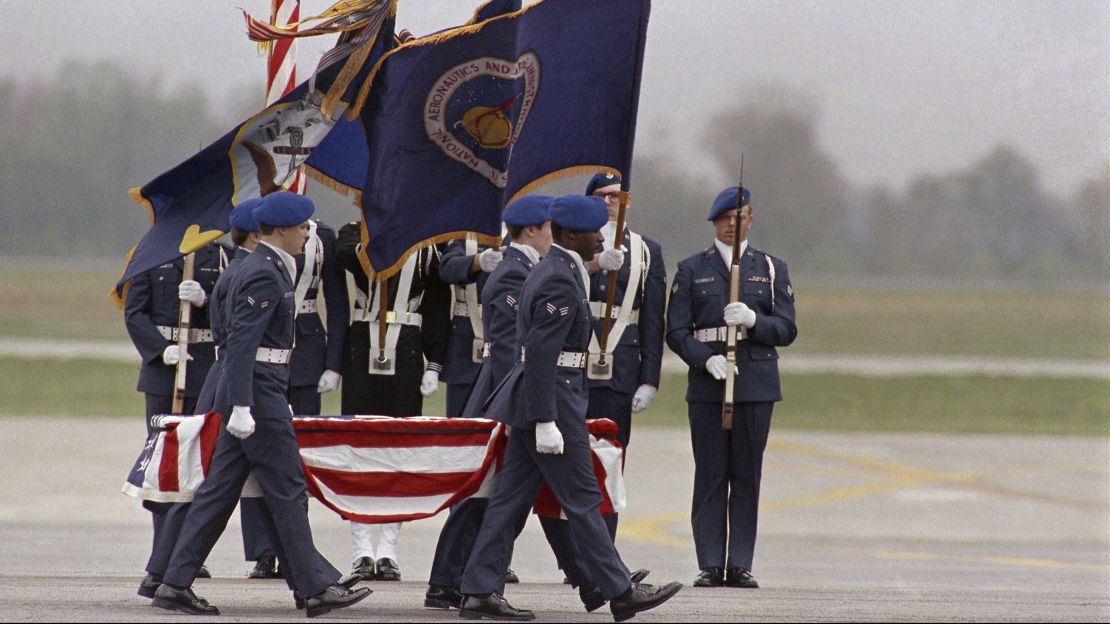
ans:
(364, 260)
(562, 174)
(136, 195)
(117, 297)
(440, 37)
(333, 184)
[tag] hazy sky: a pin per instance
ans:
(904, 86)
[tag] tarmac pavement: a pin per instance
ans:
(853, 527)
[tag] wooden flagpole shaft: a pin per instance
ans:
(184, 316)
(611, 295)
(734, 294)
(383, 307)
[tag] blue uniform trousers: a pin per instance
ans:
(271, 451)
(457, 394)
(728, 466)
(572, 479)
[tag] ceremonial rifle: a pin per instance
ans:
(602, 369)
(734, 292)
(184, 316)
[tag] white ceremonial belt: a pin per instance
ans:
(195, 335)
(273, 356)
(718, 334)
(571, 359)
(597, 308)
(461, 309)
(485, 350)
(308, 306)
(397, 318)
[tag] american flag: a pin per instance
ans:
(281, 66)
(370, 468)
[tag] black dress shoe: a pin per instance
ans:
(710, 577)
(364, 569)
(493, 607)
(639, 575)
(332, 598)
(202, 572)
(265, 568)
(439, 597)
(347, 581)
(388, 570)
(591, 598)
(739, 577)
(183, 600)
(149, 585)
(641, 598)
(510, 576)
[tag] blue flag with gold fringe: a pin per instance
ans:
(459, 123)
(189, 205)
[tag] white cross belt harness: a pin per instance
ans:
(308, 306)
(195, 335)
(597, 308)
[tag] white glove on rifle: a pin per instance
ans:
(716, 365)
(190, 291)
(611, 259)
(548, 438)
(429, 383)
(489, 259)
(738, 313)
(329, 381)
(643, 398)
(241, 423)
(172, 355)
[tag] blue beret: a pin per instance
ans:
(528, 210)
(284, 209)
(242, 218)
(727, 201)
(601, 180)
(579, 213)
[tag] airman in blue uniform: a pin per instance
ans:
(151, 308)
(544, 400)
(253, 388)
(728, 463)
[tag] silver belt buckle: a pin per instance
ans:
(477, 348)
(599, 366)
(383, 362)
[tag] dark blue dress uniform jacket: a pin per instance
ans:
(554, 316)
(500, 304)
(698, 298)
(151, 301)
(318, 349)
(218, 323)
(639, 354)
(454, 269)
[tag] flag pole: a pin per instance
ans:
(184, 322)
(734, 293)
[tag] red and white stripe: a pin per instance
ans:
(179, 461)
(281, 67)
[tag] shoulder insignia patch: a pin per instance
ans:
(551, 308)
(790, 290)
(250, 300)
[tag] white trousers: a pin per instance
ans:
(363, 537)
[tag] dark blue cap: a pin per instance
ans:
(601, 180)
(242, 218)
(284, 209)
(727, 201)
(579, 213)
(528, 210)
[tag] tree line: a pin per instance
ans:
(71, 145)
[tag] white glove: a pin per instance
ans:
(548, 438)
(241, 423)
(716, 365)
(643, 398)
(429, 383)
(611, 259)
(739, 313)
(489, 259)
(190, 291)
(329, 381)
(172, 355)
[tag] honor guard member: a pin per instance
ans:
(465, 265)
(544, 400)
(151, 312)
(728, 463)
(244, 235)
(391, 378)
(627, 380)
(258, 439)
(530, 237)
